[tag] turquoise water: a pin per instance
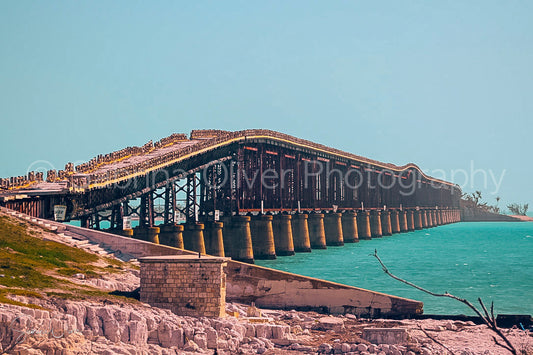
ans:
(492, 260)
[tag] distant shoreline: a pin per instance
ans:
(523, 218)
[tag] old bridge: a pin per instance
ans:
(246, 194)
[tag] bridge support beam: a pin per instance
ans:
(317, 235)
(333, 229)
(193, 237)
(262, 237)
(281, 224)
(171, 235)
(386, 224)
(363, 225)
(349, 227)
(214, 238)
(300, 233)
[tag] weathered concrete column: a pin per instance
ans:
(418, 220)
(300, 233)
(238, 239)
(281, 224)
(363, 225)
(375, 224)
(333, 229)
(193, 237)
(126, 232)
(429, 217)
(395, 220)
(171, 235)
(424, 215)
(434, 218)
(411, 218)
(349, 227)
(403, 221)
(317, 235)
(185, 284)
(214, 238)
(263, 237)
(439, 217)
(386, 225)
(149, 234)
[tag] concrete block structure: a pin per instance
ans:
(188, 285)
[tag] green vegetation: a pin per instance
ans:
(18, 292)
(34, 267)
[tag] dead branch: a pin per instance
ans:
(435, 340)
(488, 319)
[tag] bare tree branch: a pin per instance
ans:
(435, 340)
(489, 320)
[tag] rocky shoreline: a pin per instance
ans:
(82, 327)
(63, 323)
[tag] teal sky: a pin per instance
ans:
(446, 85)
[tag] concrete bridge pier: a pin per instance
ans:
(214, 238)
(434, 218)
(429, 215)
(363, 225)
(404, 221)
(263, 237)
(193, 237)
(238, 238)
(171, 235)
(333, 229)
(411, 218)
(419, 219)
(395, 220)
(439, 217)
(281, 224)
(126, 233)
(375, 224)
(386, 224)
(300, 233)
(424, 215)
(317, 234)
(149, 234)
(349, 227)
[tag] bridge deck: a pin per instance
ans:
(158, 157)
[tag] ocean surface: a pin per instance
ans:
(491, 260)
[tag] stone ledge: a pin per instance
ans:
(183, 259)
